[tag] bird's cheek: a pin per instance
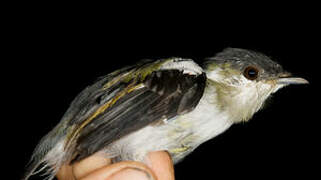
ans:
(265, 88)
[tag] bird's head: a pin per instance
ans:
(244, 79)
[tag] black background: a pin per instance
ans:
(53, 55)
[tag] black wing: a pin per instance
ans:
(129, 100)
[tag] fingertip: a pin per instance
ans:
(131, 174)
(161, 164)
(120, 170)
(159, 167)
(88, 165)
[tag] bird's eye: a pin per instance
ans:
(251, 73)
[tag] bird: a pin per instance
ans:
(171, 104)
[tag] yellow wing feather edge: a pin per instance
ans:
(137, 75)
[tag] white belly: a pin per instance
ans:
(178, 136)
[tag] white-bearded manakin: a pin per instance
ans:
(169, 105)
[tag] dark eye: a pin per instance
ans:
(251, 72)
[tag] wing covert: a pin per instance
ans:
(131, 99)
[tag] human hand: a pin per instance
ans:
(96, 167)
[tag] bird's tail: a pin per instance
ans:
(46, 158)
(35, 167)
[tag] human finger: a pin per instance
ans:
(122, 170)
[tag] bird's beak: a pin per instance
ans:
(287, 79)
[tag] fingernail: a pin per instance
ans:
(131, 174)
